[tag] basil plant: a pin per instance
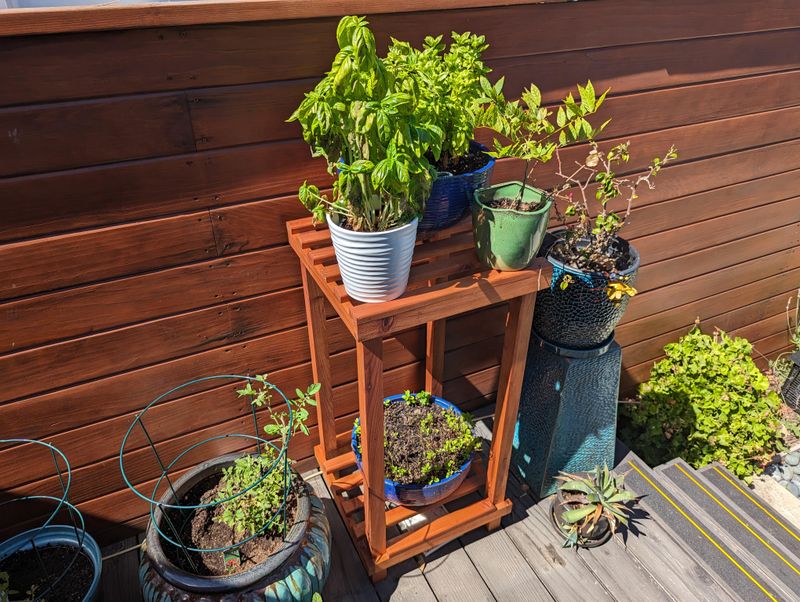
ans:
(374, 139)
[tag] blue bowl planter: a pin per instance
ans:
(418, 495)
(451, 194)
(64, 535)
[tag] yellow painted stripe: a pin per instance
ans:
(755, 501)
(702, 531)
(739, 520)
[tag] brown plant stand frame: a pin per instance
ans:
(446, 280)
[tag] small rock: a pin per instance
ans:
(792, 459)
(787, 473)
(793, 489)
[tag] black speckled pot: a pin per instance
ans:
(580, 316)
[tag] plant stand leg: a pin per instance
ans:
(369, 355)
(434, 356)
(320, 363)
(512, 371)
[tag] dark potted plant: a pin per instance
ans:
(510, 219)
(369, 131)
(52, 561)
(242, 526)
(448, 85)
(429, 447)
(594, 269)
(588, 507)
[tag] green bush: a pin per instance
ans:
(706, 401)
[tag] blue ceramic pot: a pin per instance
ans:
(451, 195)
(418, 495)
(59, 535)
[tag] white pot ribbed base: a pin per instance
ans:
(374, 265)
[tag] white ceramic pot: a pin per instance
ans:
(374, 265)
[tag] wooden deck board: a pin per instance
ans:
(348, 580)
(453, 578)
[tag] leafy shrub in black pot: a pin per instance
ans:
(594, 269)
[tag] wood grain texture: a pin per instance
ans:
(75, 134)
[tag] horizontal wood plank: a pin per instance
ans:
(183, 57)
(51, 263)
(88, 309)
(75, 134)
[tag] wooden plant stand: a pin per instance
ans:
(446, 280)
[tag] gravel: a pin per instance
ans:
(786, 471)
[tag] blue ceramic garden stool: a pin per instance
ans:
(568, 412)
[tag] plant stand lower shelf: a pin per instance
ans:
(446, 280)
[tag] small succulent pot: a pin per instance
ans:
(507, 239)
(374, 265)
(59, 535)
(296, 570)
(575, 311)
(417, 495)
(451, 194)
(588, 537)
(790, 389)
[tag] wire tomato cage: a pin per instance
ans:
(171, 532)
(38, 537)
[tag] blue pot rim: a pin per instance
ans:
(388, 482)
(484, 149)
(59, 534)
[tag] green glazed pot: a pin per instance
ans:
(506, 239)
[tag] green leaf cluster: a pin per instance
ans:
(599, 494)
(368, 128)
(534, 132)
(447, 86)
(282, 424)
(249, 512)
(706, 401)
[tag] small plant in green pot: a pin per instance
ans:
(370, 132)
(449, 85)
(594, 269)
(588, 507)
(429, 446)
(509, 220)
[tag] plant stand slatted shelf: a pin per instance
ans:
(446, 280)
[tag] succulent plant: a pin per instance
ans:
(587, 500)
